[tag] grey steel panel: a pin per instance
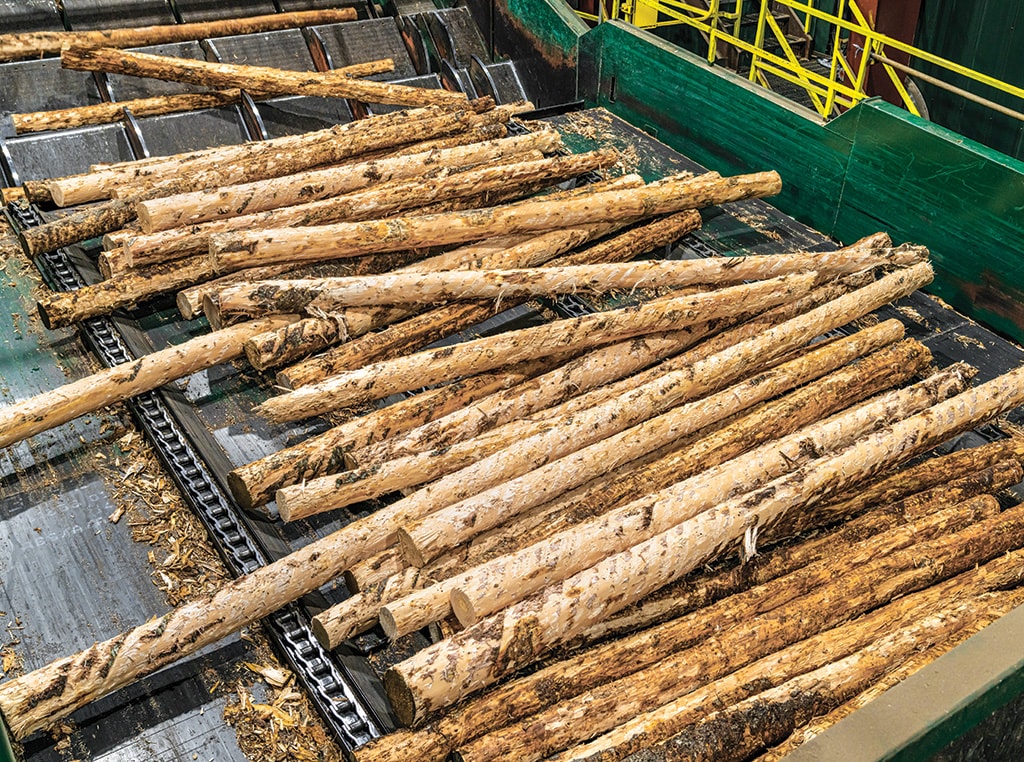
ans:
(360, 41)
(68, 152)
(290, 116)
(42, 85)
(191, 131)
(29, 16)
(286, 49)
(211, 10)
(103, 14)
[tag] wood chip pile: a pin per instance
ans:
(685, 527)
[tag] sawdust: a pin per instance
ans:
(185, 566)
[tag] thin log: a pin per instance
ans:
(585, 670)
(255, 483)
(122, 291)
(346, 240)
(107, 113)
(500, 644)
(690, 595)
(37, 44)
(50, 409)
(539, 446)
(113, 262)
(264, 159)
(426, 288)
(188, 209)
(359, 613)
(78, 226)
(520, 176)
(479, 355)
(37, 191)
(259, 78)
(190, 300)
(761, 629)
(479, 592)
(12, 195)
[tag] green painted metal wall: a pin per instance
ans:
(874, 168)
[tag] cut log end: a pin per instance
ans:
(411, 551)
(389, 624)
(320, 633)
(462, 607)
(240, 491)
(403, 700)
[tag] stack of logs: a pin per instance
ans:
(574, 492)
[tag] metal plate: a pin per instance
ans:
(289, 116)
(360, 41)
(363, 10)
(43, 86)
(212, 10)
(177, 133)
(456, 36)
(29, 16)
(115, 14)
(430, 81)
(68, 152)
(123, 87)
(285, 49)
(499, 80)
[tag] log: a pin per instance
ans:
(78, 226)
(585, 670)
(427, 288)
(37, 192)
(264, 159)
(50, 409)
(539, 446)
(259, 78)
(106, 113)
(37, 44)
(190, 300)
(734, 641)
(122, 291)
(188, 209)
(479, 355)
(351, 239)
(502, 643)
(523, 175)
(359, 613)
(12, 195)
(691, 595)
(255, 483)
(479, 591)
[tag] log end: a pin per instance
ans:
(284, 380)
(146, 221)
(186, 307)
(462, 606)
(351, 581)
(211, 308)
(411, 550)
(403, 700)
(320, 633)
(290, 504)
(57, 194)
(389, 623)
(49, 314)
(240, 490)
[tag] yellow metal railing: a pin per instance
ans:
(842, 87)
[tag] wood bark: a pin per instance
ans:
(122, 291)
(113, 262)
(733, 642)
(500, 644)
(523, 175)
(190, 300)
(229, 165)
(487, 588)
(78, 226)
(455, 285)
(539, 446)
(659, 425)
(50, 409)
(106, 113)
(37, 191)
(588, 669)
(479, 355)
(188, 209)
(260, 78)
(359, 613)
(255, 483)
(346, 240)
(690, 595)
(12, 195)
(36, 44)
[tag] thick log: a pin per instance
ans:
(113, 262)
(346, 240)
(246, 199)
(79, 226)
(45, 411)
(122, 291)
(690, 595)
(734, 641)
(585, 670)
(259, 78)
(37, 192)
(255, 483)
(445, 529)
(36, 44)
(106, 113)
(521, 176)
(539, 446)
(359, 613)
(427, 288)
(479, 355)
(229, 165)
(502, 643)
